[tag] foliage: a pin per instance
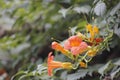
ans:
(25, 45)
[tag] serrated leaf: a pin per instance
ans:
(113, 74)
(102, 69)
(63, 75)
(117, 62)
(82, 9)
(94, 68)
(77, 75)
(117, 30)
(116, 8)
(100, 8)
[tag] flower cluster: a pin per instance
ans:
(79, 48)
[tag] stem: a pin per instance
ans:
(83, 58)
(85, 17)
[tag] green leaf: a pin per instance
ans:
(24, 76)
(4, 55)
(82, 9)
(20, 48)
(41, 69)
(63, 75)
(100, 8)
(102, 69)
(15, 77)
(113, 74)
(117, 62)
(116, 8)
(77, 75)
(94, 68)
(63, 12)
(73, 30)
(117, 30)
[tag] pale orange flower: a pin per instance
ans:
(58, 47)
(52, 64)
(56, 64)
(74, 41)
(80, 49)
(75, 45)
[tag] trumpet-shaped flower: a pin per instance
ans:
(58, 47)
(56, 64)
(52, 64)
(75, 45)
(80, 49)
(75, 41)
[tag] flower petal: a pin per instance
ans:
(67, 45)
(79, 50)
(74, 41)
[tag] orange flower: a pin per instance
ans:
(75, 45)
(80, 49)
(75, 41)
(82, 64)
(52, 64)
(58, 47)
(56, 64)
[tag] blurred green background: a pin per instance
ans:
(27, 28)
